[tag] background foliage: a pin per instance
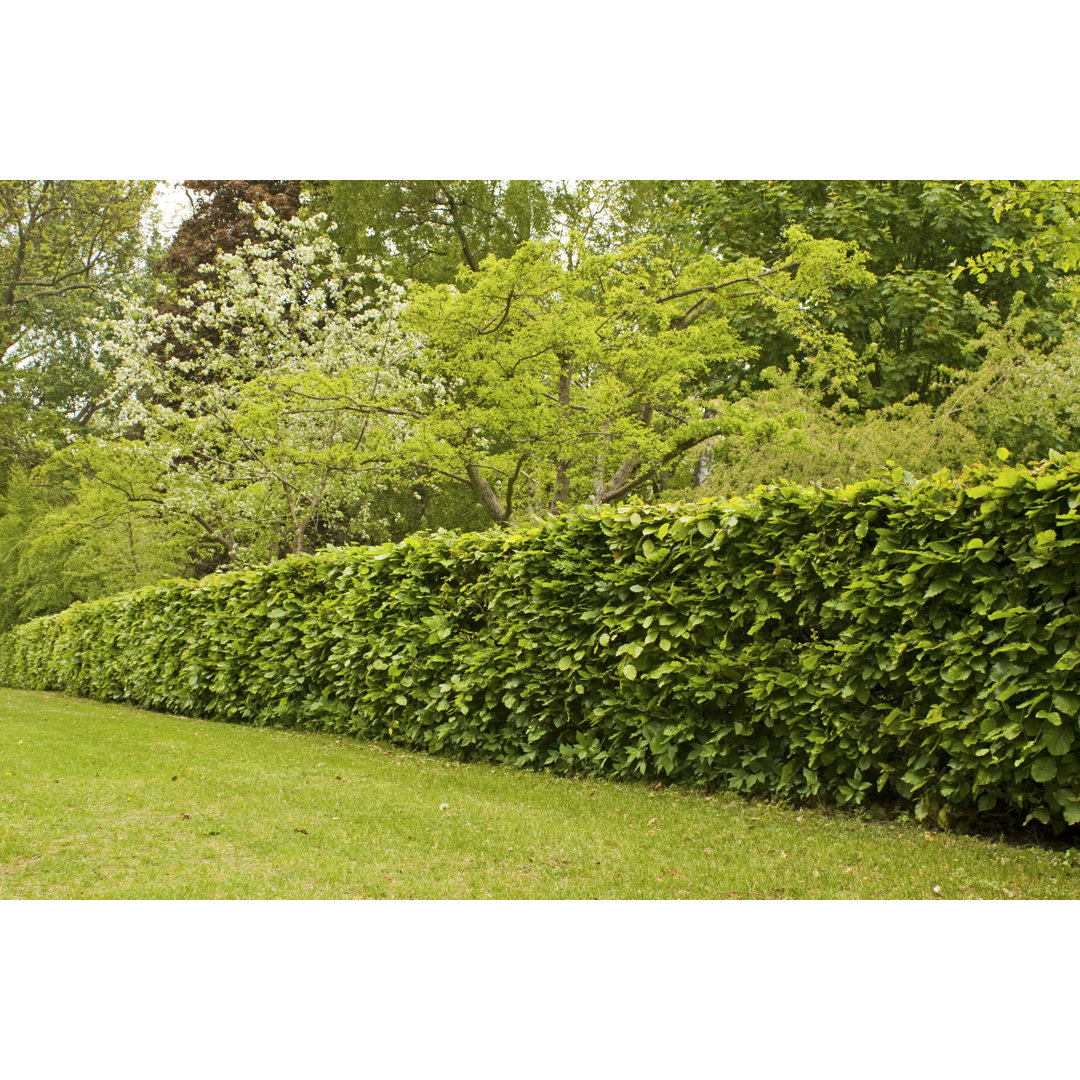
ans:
(172, 409)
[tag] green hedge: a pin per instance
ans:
(883, 642)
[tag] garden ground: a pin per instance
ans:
(108, 802)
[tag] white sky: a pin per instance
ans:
(173, 202)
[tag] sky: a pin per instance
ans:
(171, 200)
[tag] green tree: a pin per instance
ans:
(63, 245)
(810, 443)
(66, 536)
(555, 381)
(913, 322)
(426, 230)
(1040, 233)
(1025, 393)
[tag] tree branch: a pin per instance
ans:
(505, 315)
(453, 207)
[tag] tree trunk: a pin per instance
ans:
(561, 494)
(488, 499)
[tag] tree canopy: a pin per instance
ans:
(313, 363)
(912, 323)
(63, 245)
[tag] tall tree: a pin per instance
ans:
(224, 220)
(913, 322)
(424, 230)
(268, 403)
(66, 537)
(63, 245)
(1041, 225)
(555, 382)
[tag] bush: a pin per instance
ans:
(888, 641)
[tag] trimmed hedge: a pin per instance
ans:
(915, 644)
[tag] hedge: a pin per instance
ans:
(913, 644)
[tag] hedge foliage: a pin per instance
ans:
(883, 642)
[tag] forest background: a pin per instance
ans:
(314, 363)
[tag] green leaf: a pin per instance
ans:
(629, 671)
(1067, 702)
(1044, 769)
(706, 526)
(1059, 740)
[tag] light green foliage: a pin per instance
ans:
(428, 230)
(553, 386)
(796, 439)
(603, 215)
(63, 243)
(424, 230)
(1042, 219)
(911, 644)
(1024, 395)
(63, 539)
(267, 406)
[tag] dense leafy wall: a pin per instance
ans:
(911, 643)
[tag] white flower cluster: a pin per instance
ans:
(275, 388)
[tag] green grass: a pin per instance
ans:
(109, 802)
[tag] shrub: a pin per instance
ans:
(911, 643)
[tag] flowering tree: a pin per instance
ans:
(268, 404)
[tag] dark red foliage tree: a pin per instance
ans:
(219, 224)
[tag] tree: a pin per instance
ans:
(1041, 227)
(64, 538)
(555, 380)
(1025, 393)
(224, 219)
(269, 403)
(912, 324)
(63, 245)
(810, 443)
(424, 230)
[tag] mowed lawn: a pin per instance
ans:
(109, 802)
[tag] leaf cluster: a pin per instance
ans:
(910, 325)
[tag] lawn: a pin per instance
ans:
(109, 802)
